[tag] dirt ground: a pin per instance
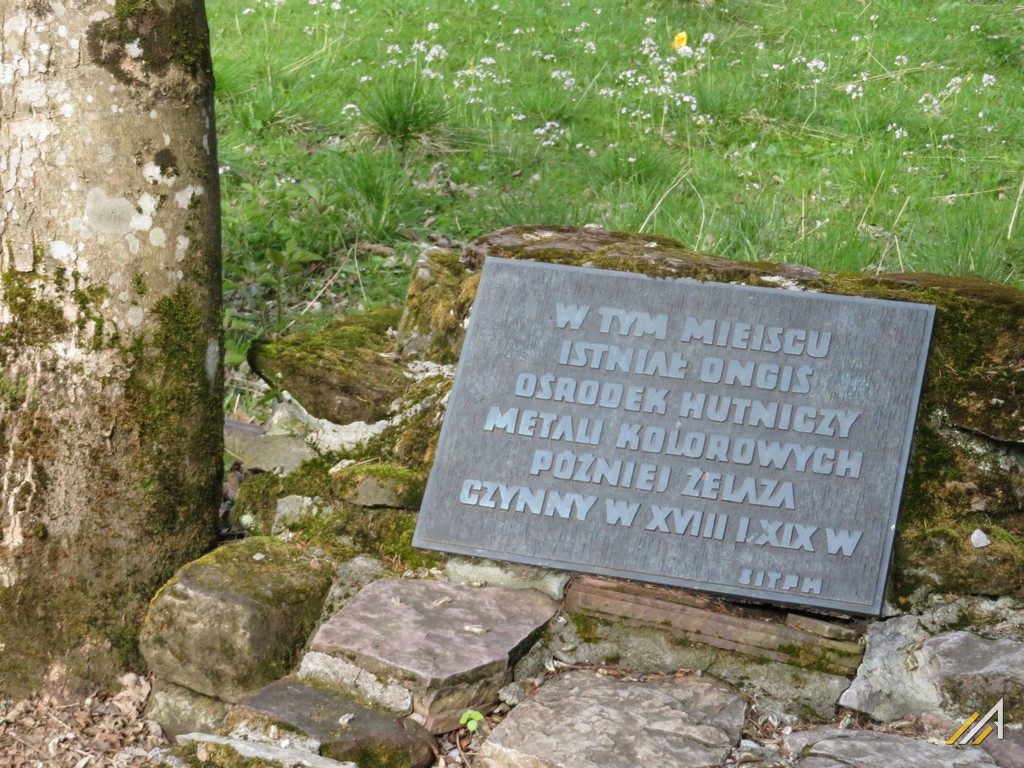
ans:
(101, 731)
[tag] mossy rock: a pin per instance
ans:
(440, 294)
(342, 373)
(966, 469)
(380, 485)
(342, 529)
(234, 620)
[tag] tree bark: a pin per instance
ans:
(110, 325)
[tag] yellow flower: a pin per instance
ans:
(679, 40)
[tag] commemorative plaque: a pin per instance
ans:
(741, 440)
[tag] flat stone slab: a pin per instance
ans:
(343, 674)
(345, 729)
(839, 748)
(452, 646)
(585, 720)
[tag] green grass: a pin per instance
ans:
(879, 136)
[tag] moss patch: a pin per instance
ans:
(436, 307)
(342, 529)
(35, 320)
(339, 373)
(395, 486)
(587, 627)
(180, 419)
(147, 37)
(214, 756)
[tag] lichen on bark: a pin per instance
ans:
(146, 37)
(110, 339)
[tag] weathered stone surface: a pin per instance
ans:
(269, 754)
(178, 710)
(584, 720)
(345, 729)
(996, 619)
(274, 453)
(292, 510)
(973, 672)
(488, 573)
(437, 305)
(232, 621)
(837, 748)
(331, 670)
(338, 374)
(1007, 752)
(291, 417)
(350, 577)
(790, 693)
(966, 470)
(449, 644)
(912, 666)
(887, 686)
(238, 435)
(384, 485)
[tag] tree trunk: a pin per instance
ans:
(110, 340)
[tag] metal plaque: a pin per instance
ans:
(741, 440)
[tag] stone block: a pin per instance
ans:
(232, 621)
(343, 728)
(292, 510)
(281, 454)
(585, 720)
(888, 685)
(452, 646)
(973, 672)
(339, 373)
(179, 710)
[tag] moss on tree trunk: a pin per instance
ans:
(110, 340)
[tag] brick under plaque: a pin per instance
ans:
(742, 440)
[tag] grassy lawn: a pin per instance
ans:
(847, 135)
